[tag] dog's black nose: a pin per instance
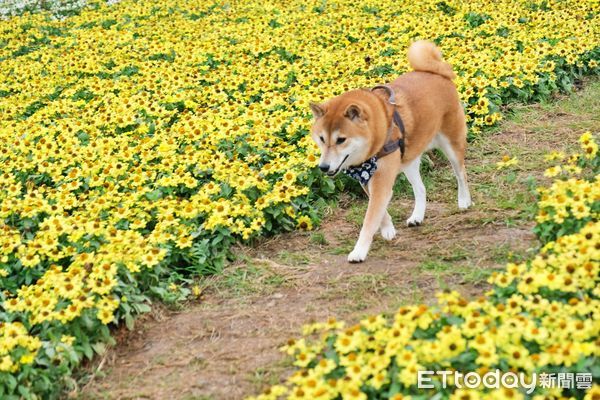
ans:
(324, 167)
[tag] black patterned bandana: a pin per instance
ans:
(363, 172)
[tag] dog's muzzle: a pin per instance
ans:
(335, 172)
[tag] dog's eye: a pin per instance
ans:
(340, 140)
(322, 140)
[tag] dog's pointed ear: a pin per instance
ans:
(384, 92)
(354, 113)
(317, 110)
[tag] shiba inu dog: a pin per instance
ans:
(374, 134)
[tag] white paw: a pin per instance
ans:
(414, 221)
(465, 203)
(388, 232)
(357, 255)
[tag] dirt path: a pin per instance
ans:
(225, 345)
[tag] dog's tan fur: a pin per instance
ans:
(353, 127)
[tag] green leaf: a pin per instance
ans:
(87, 350)
(143, 308)
(11, 382)
(99, 348)
(129, 322)
(154, 195)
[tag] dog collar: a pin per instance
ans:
(363, 172)
(391, 146)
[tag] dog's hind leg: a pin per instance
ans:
(455, 153)
(387, 227)
(413, 174)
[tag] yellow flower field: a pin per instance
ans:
(139, 141)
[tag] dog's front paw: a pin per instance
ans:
(357, 256)
(388, 232)
(414, 221)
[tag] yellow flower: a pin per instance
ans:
(304, 223)
(553, 171)
(196, 291)
(409, 374)
(555, 155)
(593, 393)
(506, 162)
(465, 394)
(67, 339)
(6, 364)
(27, 358)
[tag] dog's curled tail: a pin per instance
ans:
(425, 56)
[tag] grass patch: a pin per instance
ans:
(251, 278)
(359, 292)
(356, 212)
(474, 275)
(293, 258)
(435, 266)
(318, 238)
(263, 377)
